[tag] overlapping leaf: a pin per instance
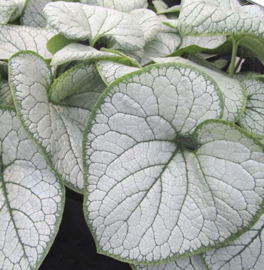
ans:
(246, 253)
(56, 129)
(111, 71)
(253, 117)
(150, 23)
(218, 17)
(14, 38)
(233, 91)
(163, 44)
(158, 186)
(31, 198)
(80, 21)
(190, 263)
(79, 52)
(20, 4)
(120, 5)
(194, 45)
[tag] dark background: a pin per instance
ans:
(74, 247)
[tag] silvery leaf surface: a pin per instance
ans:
(233, 91)
(160, 185)
(85, 22)
(111, 71)
(20, 4)
(253, 117)
(57, 129)
(15, 38)
(245, 253)
(31, 198)
(120, 5)
(80, 52)
(163, 44)
(7, 8)
(33, 14)
(189, 263)
(150, 23)
(218, 17)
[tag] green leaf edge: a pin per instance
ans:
(200, 255)
(230, 239)
(243, 108)
(63, 197)
(30, 135)
(258, 78)
(85, 168)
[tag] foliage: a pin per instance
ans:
(132, 105)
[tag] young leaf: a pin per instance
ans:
(218, 17)
(233, 91)
(245, 253)
(120, 5)
(7, 8)
(56, 129)
(14, 38)
(79, 21)
(111, 71)
(79, 52)
(253, 118)
(33, 14)
(189, 263)
(31, 198)
(5, 94)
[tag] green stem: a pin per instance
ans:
(233, 60)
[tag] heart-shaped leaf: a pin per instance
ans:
(79, 21)
(253, 118)
(14, 38)
(56, 129)
(120, 5)
(134, 140)
(31, 198)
